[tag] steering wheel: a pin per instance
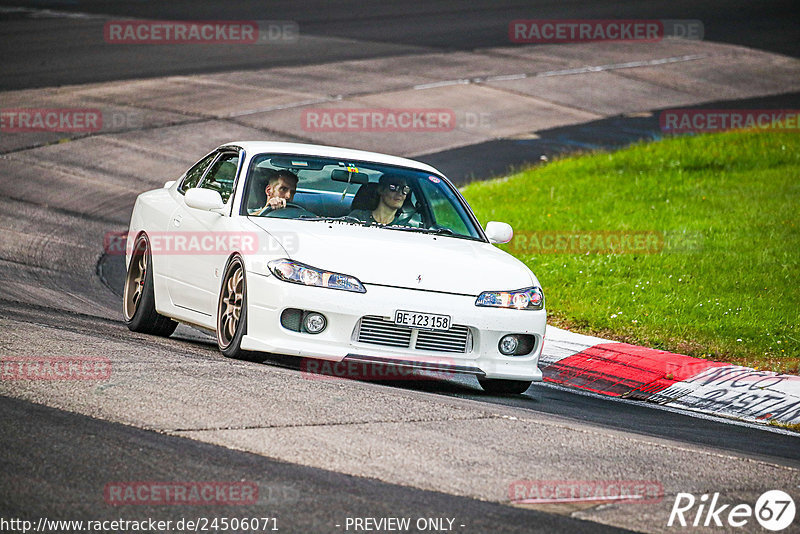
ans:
(406, 216)
(290, 211)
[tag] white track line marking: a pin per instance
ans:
(563, 72)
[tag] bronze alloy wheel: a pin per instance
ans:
(138, 299)
(231, 299)
(134, 282)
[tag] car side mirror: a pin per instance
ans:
(169, 184)
(499, 232)
(204, 199)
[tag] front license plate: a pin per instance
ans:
(425, 321)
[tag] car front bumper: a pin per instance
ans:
(268, 297)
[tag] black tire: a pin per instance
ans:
(232, 312)
(138, 299)
(504, 387)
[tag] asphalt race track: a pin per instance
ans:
(303, 499)
(323, 451)
(51, 53)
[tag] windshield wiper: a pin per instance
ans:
(441, 231)
(437, 231)
(344, 219)
(434, 231)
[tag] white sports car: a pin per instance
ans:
(324, 274)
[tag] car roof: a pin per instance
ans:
(259, 147)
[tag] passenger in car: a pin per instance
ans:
(392, 193)
(280, 190)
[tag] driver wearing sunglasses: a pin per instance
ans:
(392, 193)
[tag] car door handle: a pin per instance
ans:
(176, 221)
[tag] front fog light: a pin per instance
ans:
(508, 345)
(314, 323)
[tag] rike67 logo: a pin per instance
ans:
(774, 510)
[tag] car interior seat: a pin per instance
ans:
(257, 196)
(366, 198)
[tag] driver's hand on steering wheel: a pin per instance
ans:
(276, 203)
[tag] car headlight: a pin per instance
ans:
(300, 273)
(529, 298)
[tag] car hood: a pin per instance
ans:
(398, 258)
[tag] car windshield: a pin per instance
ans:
(357, 192)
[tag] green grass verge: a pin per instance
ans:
(716, 273)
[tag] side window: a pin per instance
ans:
(444, 208)
(194, 174)
(222, 174)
